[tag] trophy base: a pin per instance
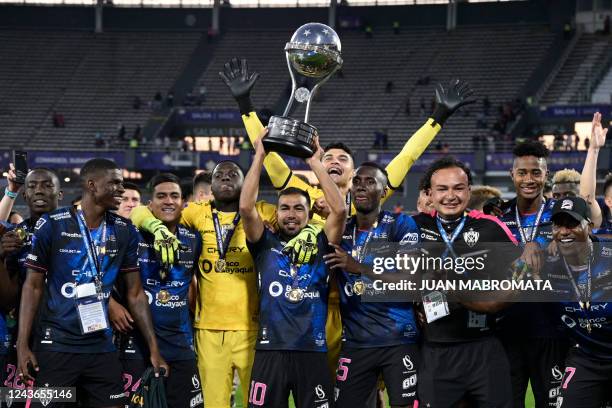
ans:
(290, 136)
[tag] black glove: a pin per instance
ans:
(451, 99)
(237, 78)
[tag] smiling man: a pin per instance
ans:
(129, 200)
(291, 348)
(76, 257)
(226, 315)
(581, 274)
(167, 291)
(534, 345)
(42, 193)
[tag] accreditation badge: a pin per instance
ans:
(92, 316)
(435, 305)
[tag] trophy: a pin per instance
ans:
(313, 53)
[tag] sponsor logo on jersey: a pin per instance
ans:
(71, 234)
(408, 363)
(409, 382)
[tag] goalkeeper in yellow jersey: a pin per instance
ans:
(226, 316)
(339, 164)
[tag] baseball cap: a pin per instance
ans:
(576, 207)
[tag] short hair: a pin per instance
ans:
(163, 178)
(566, 176)
(531, 148)
(47, 170)
(339, 145)
(203, 177)
(378, 167)
(97, 165)
(295, 190)
(226, 161)
(481, 194)
(607, 183)
(447, 162)
(127, 185)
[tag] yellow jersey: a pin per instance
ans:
(226, 300)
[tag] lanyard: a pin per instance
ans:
(535, 227)
(450, 238)
(360, 254)
(223, 244)
(94, 253)
(585, 304)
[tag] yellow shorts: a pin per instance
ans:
(333, 333)
(219, 353)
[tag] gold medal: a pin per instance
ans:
(21, 233)
(163, 296)
(358, 288)
(295, 295)
(220, 265)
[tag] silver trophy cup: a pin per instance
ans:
(314, 53)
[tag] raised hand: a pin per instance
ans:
(451, 98)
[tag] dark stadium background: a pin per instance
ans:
(70, 74)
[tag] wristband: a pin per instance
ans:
(10, 194)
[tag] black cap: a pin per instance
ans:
(576, 207)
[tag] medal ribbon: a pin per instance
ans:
(535, 227)
(362, 251)
(586, 303)
(449, 239)
(94, 254)
(223, 244)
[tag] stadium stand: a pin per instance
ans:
(90, 79)
(573, 82)
(352, 107)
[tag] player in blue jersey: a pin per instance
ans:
(291, 349)
(582, 275)
(42, 193)
(461, 357)
(167, 291)
(536, 347)
(76, 257)
(378, 338)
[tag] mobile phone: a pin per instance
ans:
(20, 161)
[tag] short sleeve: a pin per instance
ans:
(190, 213)
(267, 212)
(130, 259)
(40, 256)
(406, 230)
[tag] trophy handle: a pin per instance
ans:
(292, 97)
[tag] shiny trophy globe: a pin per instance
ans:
(314, 53)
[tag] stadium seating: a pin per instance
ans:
(573, 82)
(496, 60)
(90, 79)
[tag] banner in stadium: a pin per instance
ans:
(207, 115)
(575, 111)
(62, 159)
(556, 161)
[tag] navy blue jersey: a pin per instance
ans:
(5, 338)
(60, 252)
(375, 324)
(284, 325)
(597, 342)
(522, 319)
(528, 222)
(168, 298)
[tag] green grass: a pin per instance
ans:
(529, 401)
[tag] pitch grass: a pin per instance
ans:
(529, 401)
